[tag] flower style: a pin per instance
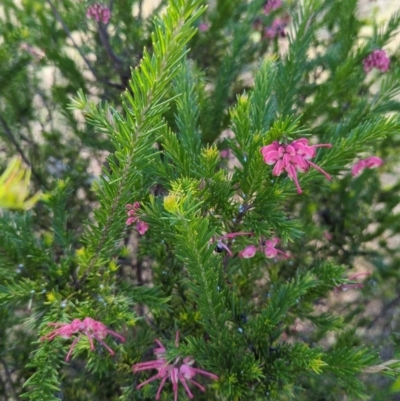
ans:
(99, 13)
(181, 370)
(377, 59)
(89, 327)
(270, 250)
(345, 287)
(221, 246)
(276, 29)
(369, 162)
(292, 157)
(141, 226)
(272, 5)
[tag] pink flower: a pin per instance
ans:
(180, 370)
(276, 29)
(248, 252)
(270, 250)
(292, 158)
(369, 162)
(272, 5)
(345, 287)
(99, 13)
(142, 227)
(203, 27)
(89, 327)
(224, 153)
(132, 209)
(131, 220)
(377, 59)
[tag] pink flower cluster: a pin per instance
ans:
(99, 13)
(377, 59)
(272, 5)
(292, 158)
(89, 327)
(269, 250)
(181, 370)
(276, 29)
(141, 226)
(369, 162)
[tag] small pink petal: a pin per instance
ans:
(273, 146)
(130, 221)
(248, 252)
(279, 168)
(358, 168)
(271, 157)
(373, 162)
(271, 243)
(203, 27)
(187, 371)
(293, 176)
(270, 252)
(224, 153)
(142, 227)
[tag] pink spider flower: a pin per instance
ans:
(89, 327)
(377, 59)
(276, 29)
(220, 244)
(248, 252)
(272, 5)
(369, 162)
(345, 287)
(181, 370)
(270, 250)
(99, 12)
(292, 158)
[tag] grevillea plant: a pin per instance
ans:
(235, 214)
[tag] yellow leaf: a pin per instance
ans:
(14, 187)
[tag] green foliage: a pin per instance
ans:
(138, 109)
